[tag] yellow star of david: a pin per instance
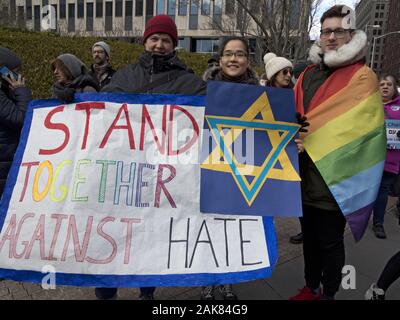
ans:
(278, 136)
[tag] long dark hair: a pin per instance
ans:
(384, 76)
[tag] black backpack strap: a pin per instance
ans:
(169, 76)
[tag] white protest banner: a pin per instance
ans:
(106, 191)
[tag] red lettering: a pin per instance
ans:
(56, 126)
(38, 235)
(191, 142)
(9, 235)
(109, 239)
(25, 243)
(114, 126)
(146, 118)
(80, 253)
(88, 106)
(128, 242)
(59, 218)
(29, 165)
(161, 185)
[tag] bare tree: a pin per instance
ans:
(280, 26)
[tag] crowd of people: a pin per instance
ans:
(159, 70)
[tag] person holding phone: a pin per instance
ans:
(14, 99)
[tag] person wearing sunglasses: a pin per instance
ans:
(279, 71)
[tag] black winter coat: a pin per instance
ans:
(105, 77)
(152, 67)
(13, 106)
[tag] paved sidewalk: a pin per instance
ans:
(369, 256)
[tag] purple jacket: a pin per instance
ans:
(392, 111)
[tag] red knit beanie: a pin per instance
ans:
(161, 24)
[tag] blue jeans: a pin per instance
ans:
(382, 199)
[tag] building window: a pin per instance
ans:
(194, 15)
(80, 9)
(139, 8)
(217, 12)
(171, 8)
(37, 18)
(71, 17)
(109, 16)
(160, 7)
(28, 4)
(206, 45)
(63, 9)
(182, 7)
(55, 10)
(149, 9)
(89, 16)
(20, 16)
(99, 8)
(128, 15)
(45, 3)
(205, 7)
(118, 8)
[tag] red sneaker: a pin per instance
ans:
(306, 294)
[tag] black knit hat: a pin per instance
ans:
(9, 58)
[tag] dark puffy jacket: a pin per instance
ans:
(152, 67)
(105, 78)
(13, 105)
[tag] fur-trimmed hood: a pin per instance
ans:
(348, 54)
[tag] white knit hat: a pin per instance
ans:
(103, 45)
(274, 64)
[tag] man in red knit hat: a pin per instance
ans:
(158, 70)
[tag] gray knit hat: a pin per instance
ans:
(9, 58)
(104, 45)
(73, 64)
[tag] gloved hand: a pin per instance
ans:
(64, 93)
(302, 120)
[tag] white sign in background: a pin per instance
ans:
(106, 209)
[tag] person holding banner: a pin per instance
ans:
(14, 99)
(344, 149)
(234, 66)
(71, 76)
(391, 100)
(159, 70)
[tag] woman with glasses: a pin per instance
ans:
(234, 66)
(279, 71)
(234, 63)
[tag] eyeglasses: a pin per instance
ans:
(287, 71)
(237, 54)
(339, 33)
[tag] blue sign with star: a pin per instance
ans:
(249, 162)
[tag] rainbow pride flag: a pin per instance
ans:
(347, 141)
